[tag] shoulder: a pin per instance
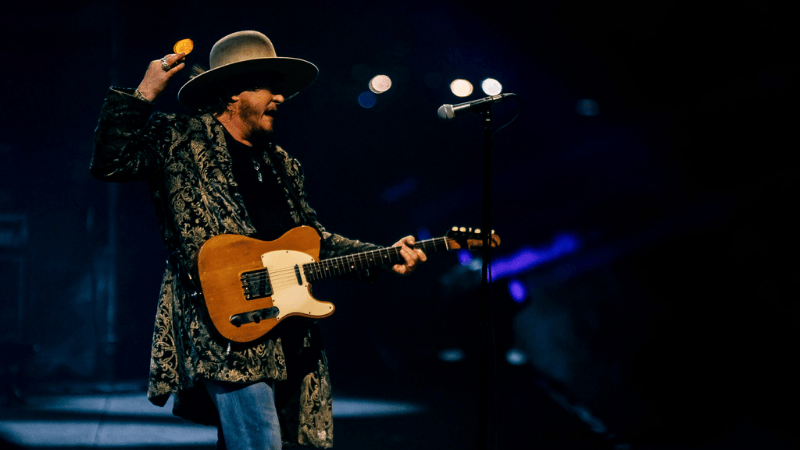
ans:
(283, 155)
(183, 120)
(185, 124)
(292, 164)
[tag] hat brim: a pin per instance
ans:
(296, 74)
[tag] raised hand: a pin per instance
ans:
(159, 73)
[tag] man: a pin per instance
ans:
(213, 173)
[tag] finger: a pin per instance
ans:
(402, 269)
(400, 243)
(410, 256)
(404, 253)
(172, 61)
(172, 58)
(399, 269)
(176, 68)
(417, 254)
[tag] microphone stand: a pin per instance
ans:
(486, 327)
(486, 332)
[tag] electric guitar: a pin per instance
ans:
(250, 286)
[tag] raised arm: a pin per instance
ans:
(124, 148)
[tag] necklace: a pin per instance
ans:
(258, 170)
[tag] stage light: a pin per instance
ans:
(367, 99)
(424, 234)
(464, 257)
(517, 290)
(516, 357)
(461, 88)
(491, 86)
(380, 84)
(451, 355)
(527, 258)
(363, 408)
(587, 107)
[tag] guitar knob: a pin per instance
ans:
(236, 321)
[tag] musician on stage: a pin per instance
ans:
(218, 171)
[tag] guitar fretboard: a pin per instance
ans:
(343, 265)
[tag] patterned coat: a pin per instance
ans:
(187, 164)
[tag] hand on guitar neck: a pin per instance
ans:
(412, 256)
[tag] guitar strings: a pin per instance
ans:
(286, 277)
(341, 264)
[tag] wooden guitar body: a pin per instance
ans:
(224, 263)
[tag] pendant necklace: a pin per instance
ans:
(258, 170)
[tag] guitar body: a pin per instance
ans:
(226, 262)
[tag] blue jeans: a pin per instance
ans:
(247, 413)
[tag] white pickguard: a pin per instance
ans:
(288, 295)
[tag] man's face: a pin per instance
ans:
(256, 112)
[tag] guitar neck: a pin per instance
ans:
(343, 265)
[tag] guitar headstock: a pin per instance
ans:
(467, 238)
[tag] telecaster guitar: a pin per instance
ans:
(250, 286)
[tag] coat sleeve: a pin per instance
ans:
(125, 140)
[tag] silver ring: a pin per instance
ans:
(164, 64)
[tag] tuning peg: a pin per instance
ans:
(463, 229)
(477, 231)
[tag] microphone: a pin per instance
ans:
(447, 112)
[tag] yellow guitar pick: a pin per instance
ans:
(183, 46)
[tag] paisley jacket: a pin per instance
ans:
(187, 164)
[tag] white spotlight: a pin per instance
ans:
(491, 86)
(461, 88)
(516, 357)
(380, 84)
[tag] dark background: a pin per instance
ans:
(671, 321)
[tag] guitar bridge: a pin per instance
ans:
(254, 316)
(256, 284)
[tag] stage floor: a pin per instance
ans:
(427, 413)
(416, 415)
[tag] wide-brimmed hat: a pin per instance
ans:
(247, 53)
